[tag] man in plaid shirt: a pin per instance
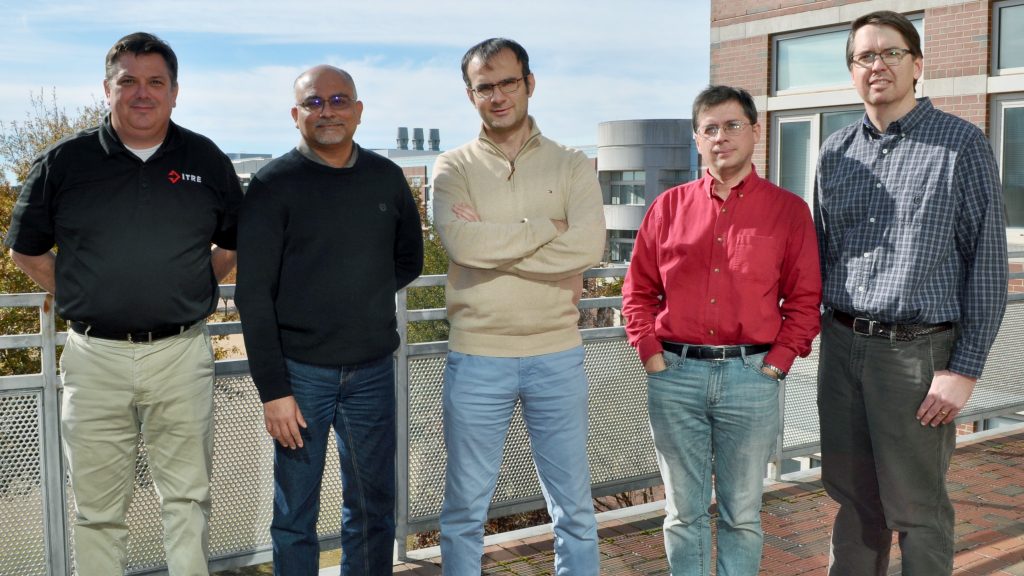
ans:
(913, 249)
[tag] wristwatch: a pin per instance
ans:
(778, 372)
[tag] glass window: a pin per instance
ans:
(811, 61)
(1009, 26)
(794, 160)
(833, 121)
(620, 245)
(817, 59)
(1012, 164)
(796, 141)
(627, 187)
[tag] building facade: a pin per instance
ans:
(790, 54)
(636, 161)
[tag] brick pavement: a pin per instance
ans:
(986, 484)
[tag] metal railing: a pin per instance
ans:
(36, 505)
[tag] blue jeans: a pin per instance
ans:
(721, 417)
(359, 402)
(480, 393)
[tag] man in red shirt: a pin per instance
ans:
(721, 296)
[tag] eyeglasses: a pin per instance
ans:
(731, 128)
(317, 104)
(507, 86)
(889, 56)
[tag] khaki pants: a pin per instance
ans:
(112, 391)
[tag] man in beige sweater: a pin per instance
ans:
(521, 218)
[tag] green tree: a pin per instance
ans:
(435, 261)
(45, 123)
(598, 288)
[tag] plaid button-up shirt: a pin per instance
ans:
(911, 227)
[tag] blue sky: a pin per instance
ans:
(594, 60)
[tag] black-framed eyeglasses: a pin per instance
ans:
(507, 86)
(317, 103)
(889, 56)
(730, 128)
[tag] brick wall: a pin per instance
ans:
(745, 64)
(965, 429)
(736, 11)
(1017, 284)
(957, 44)
(957, 40)
(972, 108)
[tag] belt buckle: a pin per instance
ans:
(719, 349)
(861, 321)
(139, 337)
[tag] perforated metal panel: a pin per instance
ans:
(619, 444)
(22, 544)
(243, 470)
(1002, 383)
(426, 439)
(800, 429)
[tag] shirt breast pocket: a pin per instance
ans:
(755, 258)
(927, 205)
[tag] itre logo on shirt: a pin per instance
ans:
(174, 177)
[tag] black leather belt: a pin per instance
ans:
(715, 352)
(902, 332)
(140, 336)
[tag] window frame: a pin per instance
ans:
(814, 145)
(814, 116)
(996, 8)
(777, 39)
(1000, 104)
(633, 181)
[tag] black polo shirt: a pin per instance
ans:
(133, 238)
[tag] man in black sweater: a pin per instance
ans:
(328, 233)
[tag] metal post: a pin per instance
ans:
(57, 531)
(779, 440)
(402, 427)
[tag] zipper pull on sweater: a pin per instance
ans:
(512, 169)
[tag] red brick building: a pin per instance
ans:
(790, 54)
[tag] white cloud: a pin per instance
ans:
(594, 60)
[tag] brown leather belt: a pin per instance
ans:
(902, 332)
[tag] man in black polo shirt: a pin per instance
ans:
(133, 206)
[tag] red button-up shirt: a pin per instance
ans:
(719, 272)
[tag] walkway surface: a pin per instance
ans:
(986, 484)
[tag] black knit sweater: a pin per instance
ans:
(321, 253)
